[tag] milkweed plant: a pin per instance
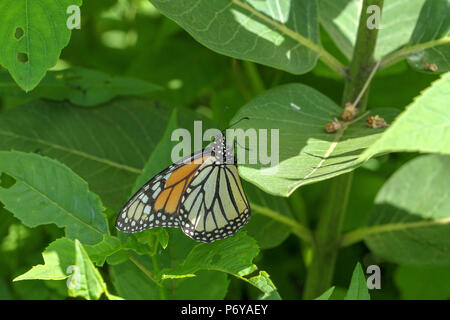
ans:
(343, 156)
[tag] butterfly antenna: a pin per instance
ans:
(235, 123)
(248, 149)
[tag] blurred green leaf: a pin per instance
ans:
(433, 24)
(81, 86)
(267, 231)
(423, 283)
(422, 127)
(358, 286)
(278, 35)
(46, 191)
(306, 152)
(33, 33)
(410, 223)
(160, 154)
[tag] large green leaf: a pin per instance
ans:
(433, 24)
(410, 223)
(33, 34)
(46, 191)
(80, 86)
(111, 157)
(358, 286)
(340, 18)
(267, 32)
(106, 146)
(176, 251)
(423, 126)
(307, 153)
(233, 255)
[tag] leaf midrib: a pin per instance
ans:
(360, 234)
(56, 204)
(75, 152)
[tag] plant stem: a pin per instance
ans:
(402, 53)
(162, 291)
(328, 231)
(254, 77)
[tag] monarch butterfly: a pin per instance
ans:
(202, 194)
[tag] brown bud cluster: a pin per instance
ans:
(376, 122)
(333, 126)
(349, 111)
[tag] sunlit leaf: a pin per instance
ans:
(398, 19)
(306, 152)
(422, 127)
(262, 31)
(410, 223)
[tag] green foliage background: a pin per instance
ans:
(87, 120)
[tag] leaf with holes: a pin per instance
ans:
(46, 191)
(33, 34)
(275, 33)
(410, 223)
(301, 152)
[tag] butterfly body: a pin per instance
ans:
(202, 194)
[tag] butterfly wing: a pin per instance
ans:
(214, 205)
(156, 204)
